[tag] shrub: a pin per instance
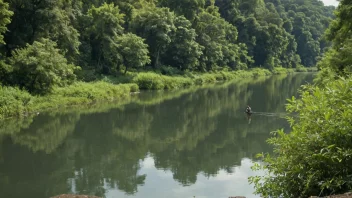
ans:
(133, 87)
(260, 72)
(39, 67)
(170, 71)
(301, 69)
(280, 70)
(315, 158)
(159, 82)
(155, 81)
(290, 70)
(95, 91)
(87, 75)
(176, 82)
(149, 81)
(5, 70)
(312, 69)
(14, 102)
(204, 79)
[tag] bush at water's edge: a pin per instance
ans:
(154, 81)
(315, 157)
(16, 102)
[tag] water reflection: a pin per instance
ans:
(220, 185)
(198, 137)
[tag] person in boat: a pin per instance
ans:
(248, 110)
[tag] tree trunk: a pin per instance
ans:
(125, 69)
(124, 63)
(156, 64)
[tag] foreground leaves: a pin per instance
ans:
(316, 157)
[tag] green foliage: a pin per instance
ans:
(149, 81)
(309, 69)
(307, 47)
(95, 91)
(302, 69)
(279, 33)
(133, 50)
(60, 27)
(189, 35)
(14, 102)
(260, 72)
(105, 27)
(33, 20)
(122, 79)
(87, 75)
(40, 67)
(340, 29)
(159, 82)
(187, 8)
(5, 18)
(155, 25)
(280, 70)
(217, 37)
(338, 60)
(314, 158)
(80, 93)
(106, 20)
(5, 71)
(183, 52)
(205, 79)
(153, 81)
(170, 71)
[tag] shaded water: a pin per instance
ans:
(187, 143)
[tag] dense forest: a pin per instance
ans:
(46, 43)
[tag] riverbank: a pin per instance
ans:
(347, 195)
(16, 124)
(206, 122)
(17, 103)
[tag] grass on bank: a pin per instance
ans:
(154, 81)
(16, 102)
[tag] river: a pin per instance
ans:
(175, 144)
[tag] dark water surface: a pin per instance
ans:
(175, 144)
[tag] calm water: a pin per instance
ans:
(175, 144)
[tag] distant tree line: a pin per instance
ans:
(43, 42)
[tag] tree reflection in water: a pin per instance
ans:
(186, 132)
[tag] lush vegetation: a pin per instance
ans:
(315, 157)
(17, 102)
(109, 37)
(46, 45)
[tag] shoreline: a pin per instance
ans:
(19, 103)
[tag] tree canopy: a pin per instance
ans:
(5, 15)
(195, 35)
(40, 66)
